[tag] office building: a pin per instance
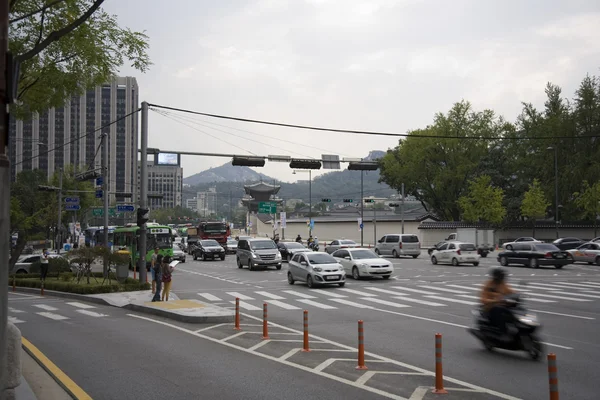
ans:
(207, 202)
(69, 132)
(166, 181)
(192, 204)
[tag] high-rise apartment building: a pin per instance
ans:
(166, 181)
(207, 202)
(69, 132)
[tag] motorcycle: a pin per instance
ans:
(314, 246)
(521, 329)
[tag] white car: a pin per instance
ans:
(456, 253)
(363, 262)
(315, 268)
(525, 239)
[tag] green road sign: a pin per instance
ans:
(98, 212)
(267, 207)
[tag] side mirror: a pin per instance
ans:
(380, 241)
(347, 257)
(303, 263)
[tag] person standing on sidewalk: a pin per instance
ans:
(44, 264)
(166, 273)
(157, 277)
(153, 263)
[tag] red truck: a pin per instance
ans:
(218, 231)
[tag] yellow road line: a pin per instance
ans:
(59, 376)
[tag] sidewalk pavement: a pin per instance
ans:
(36, 383)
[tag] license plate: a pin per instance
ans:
(332, 277)
(470, 258)
(560, 256)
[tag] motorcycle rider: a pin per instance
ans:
(492, 299)
(298, 239)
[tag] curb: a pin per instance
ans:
(200, 319)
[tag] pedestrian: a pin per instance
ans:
(153, 262)
(44, 264)
(157, 277)
(166, 273)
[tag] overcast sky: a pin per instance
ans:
(380, 65)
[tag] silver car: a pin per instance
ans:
(316, 268)
(178, 254)
(399, 245)
(587, 252)
(363, 262)
(258, 253)
(340, 244)
(231, 246)
(24, 263)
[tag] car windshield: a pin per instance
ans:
(321, 259)
(263, 245)
(347, 242)
(363, 254)
(176, 247)
(546, 247)
(467, 247)
(294, 245)
(209, 243)
(231, 241)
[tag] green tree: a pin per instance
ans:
(534, 204)
(63, 47)
(173, 215)
(588, 200)
(483, 203)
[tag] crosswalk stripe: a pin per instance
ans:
(591, 296)
(80, 305)
(590, 291)
(56, 317)
(592, 283)
(209, 297)
(329, 293)
(525, 288)
(387, 291)
(358, 292)
(583, 285)
(15, 320)
(350, 303)
(91, 313)
(299, 294)
(543, 286)
(528, 298)
(281, 304)
(551, 296)
(240, 296)
(443, 289)
(45, 307)
(271, 296)
(247, 306)
(471, 303)
(412, 290)
(464, 287)
(425, 302)
(385, 302)
(14, 310)
(318, 305)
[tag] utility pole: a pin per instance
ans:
(402, 208)
(230, 205)
(362, 208)
(310, 219)
(282, 227)
(105, 195)
(143, 190)
(375, 224)
(59, 222)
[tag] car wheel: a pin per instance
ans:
(290, 278)
(278, 267)
(558, 266)
(342, 284)
(484, 255)
(433, 260)
(377, 252)
(355, 273)
(309, 282)
(21, 272)
(239, 263)
(386, 277)
(195, 256)
(503, 261)
(203, 257)
(509, 247)
(455, 262)
(475, 264)
(533, 263)
(598, 260)
(250, 265)
(223, 257)
(415, 256)
(394, 254)
(570, 258)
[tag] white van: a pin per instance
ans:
(399, 245)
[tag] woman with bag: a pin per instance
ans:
(167, 270)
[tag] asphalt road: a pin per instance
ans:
(402, 315)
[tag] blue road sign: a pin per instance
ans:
(361, 226)
(125, 208)
(99, 181)
(72, 200)
(72, 207)
(98, 194)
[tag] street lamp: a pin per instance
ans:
(555, 186)
(362, 166)
(309, 199)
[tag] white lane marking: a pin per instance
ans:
(80, 305)
(387, 291)
(299, 294)
(413, 290)
(425, 302)
(240, 296)
(444, 289)
(350, 303)
(247, 306)
(591, 296)
(91, 313)
(465, 287)
(329, 293)
(365, 294)
(563, 315)
(557, 345)
(471, 303)
(209, 297)
(318, 305)
(15, 320)
(551, 296)
(592, 283)
(282, 304)
(56, 317)
(385, 303)
(14, 310)
(590, 291)
(528, 298)
(582, 285)
(271, 296)
(526, 288)
(45, 307)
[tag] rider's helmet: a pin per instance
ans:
(498, 274)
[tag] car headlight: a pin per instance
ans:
(254, 255)
(278, 256)
(340, 268)
(317, 269)
(364, 265)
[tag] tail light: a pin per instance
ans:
(548, 255)
(400, 245)
(458, 252)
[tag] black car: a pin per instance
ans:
(534, 255)
(568, 243)
(208, 249)
(435, 247)
(288, 249)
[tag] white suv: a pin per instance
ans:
(399, 245)
(456, 253)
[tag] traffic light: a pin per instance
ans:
(143, 214)
(326, 200)
(348, 200)
(369, 200)
(87, 175)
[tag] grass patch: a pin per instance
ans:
(66, 282)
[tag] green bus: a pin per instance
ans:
(126, 238)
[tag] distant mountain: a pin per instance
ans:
(375, 155)
(226, 173)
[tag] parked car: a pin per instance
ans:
(340, 244)
(456, 253)
(288, 249)
(587, 252)
(178, 253)
(24, 263)
(316, 268)
(436, 246)
(363, 262)
(399, 245)
(534, 254)
(231, 246)
(209, 249)
(258, 252)
(508, 245)
(568, 243)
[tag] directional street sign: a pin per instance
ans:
(267, 207)
(98, 212)
(99, 181)
(72, 207)
(98, 194)
(72, 200)
(125, 208)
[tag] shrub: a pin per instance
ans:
(83, 288)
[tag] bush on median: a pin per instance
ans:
(32, 281)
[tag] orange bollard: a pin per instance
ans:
(42, 289)
(305, 347)
(439, 375)
(361, 347)
(553, 376)
(265, 326)
(237, 314)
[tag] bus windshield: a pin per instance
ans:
(217, 227)
(161, 240)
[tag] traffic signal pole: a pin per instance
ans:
(105, 196)
(60, 206)
(143, 191)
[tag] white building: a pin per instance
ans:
(192, 204)
(207, 202)
(165, 180)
